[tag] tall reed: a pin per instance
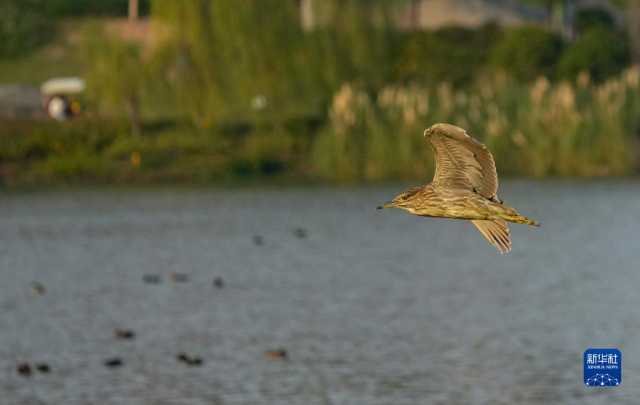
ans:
(538, 129)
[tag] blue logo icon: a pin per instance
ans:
(602, 367)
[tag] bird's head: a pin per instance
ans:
(402, 200)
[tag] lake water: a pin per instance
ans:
(373, 307)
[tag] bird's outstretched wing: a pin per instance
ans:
(496, 232)
(461, 161)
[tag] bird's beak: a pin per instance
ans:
(386, 205)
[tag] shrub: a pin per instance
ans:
(23, 26)
(593, 17)
(527, 52)
(453, 54)
(102, 151)
(600, 52)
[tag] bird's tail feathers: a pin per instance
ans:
(520, 219)
(496, 232)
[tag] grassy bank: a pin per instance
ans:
(104, 152)
(537, 130)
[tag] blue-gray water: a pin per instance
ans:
(373, 307)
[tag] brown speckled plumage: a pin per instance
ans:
(464, 186)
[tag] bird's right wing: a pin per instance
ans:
(496, 232)
(461, 161)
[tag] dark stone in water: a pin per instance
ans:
(300, 233)
(189, 360)
(218, 282)
(113, 362)
(195, 362)
(152, 279)
(192, 361)
(278, 354)
(179, 277)
(38, 288)
(124, 334)
(43, 368)
(24, 369)
(258, 240)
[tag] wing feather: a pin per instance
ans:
(496, 232)
(462, 161)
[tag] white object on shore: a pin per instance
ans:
(58, 109)
(63, 85)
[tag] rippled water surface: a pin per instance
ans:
(373, 307)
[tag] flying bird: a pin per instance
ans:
(464, 186)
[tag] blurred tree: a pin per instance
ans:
(599, 52)
(633, 25)
(527, 52)
(593, 17)
(23, 26)
(115, 75)
(453, 54)
(235, 58)
(356, 43)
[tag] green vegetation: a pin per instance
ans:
(589, 18)
(537, 130)
(116, 76)
(528, 52)
(105, 152)
(599, 52)
(455, 55)
(540, 129)
(61, 56)
(232, 91)
(23, 27)
(249, 64)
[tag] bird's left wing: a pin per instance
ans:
(462, 161)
